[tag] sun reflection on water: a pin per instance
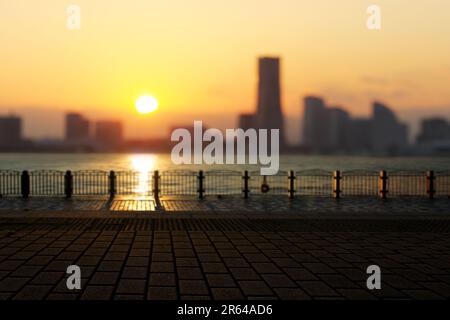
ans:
(143, 165)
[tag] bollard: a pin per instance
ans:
(430, 184)
(246, 190)
(337, 184)
(68, 184)
(200, 190)
(112, 184)
(291, 189)
(383, 184)
(25, 184)
(156, 185)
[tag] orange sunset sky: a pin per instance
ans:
(199, 59)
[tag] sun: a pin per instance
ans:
(146, 104)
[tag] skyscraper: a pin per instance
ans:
(315, 123)
(10, 131)
(388, 133)
(108, 135)
(247, 121)
(269, 114)
(77, 128)
(434, 129)
(338, 122)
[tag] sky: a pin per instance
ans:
(199, 59)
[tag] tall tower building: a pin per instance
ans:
(388, 133)
(315, 123)
(269, 114)
(109, 135)
(10, 131)
(77, 128)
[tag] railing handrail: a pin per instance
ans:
(312, 182)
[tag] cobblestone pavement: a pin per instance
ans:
(225, 256)
(231, 204)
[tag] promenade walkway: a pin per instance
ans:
(220, 249)
(260, 204)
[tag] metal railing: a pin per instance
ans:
(317, 183)
(314, 183)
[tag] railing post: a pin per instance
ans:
(112, 184)
(25, 184)
(200, 190)
(337, 184)
(291, 189)
(68, 184)
(156, 185)
(430, 184)
(246, 190)
(383, 184)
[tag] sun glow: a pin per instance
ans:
(146, 104)
(143, 166)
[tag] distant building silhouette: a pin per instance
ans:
(77, 129)
(434, 136)
(359, 135)
(269, 113)
(10, 131)
(388, 134)
(108, 135)
(434, 129)
(316, 124)
(339, 120)
(328, 129)
(247, 121)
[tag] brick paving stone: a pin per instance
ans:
(214, 267)
(278, 280)
(131, 286)
(162, 293)
(62, 296)
(245, 274)
(129, 297)
(317, 288)
(97, 293)
(193, 287)
(255, 288)
(423, 295)
(10, 265)
(209, 257)
(227, 294)
(162, 257)
(299, 274)
(266, 268)
(26, 271)
(162, 267)
(104, 278)
(338, 281)
(356, 294)
(189, 273)
(115, 256)
(47, 278)
(137, 262)
(220, 280)
(400, 282)
(318, 268)
(162, 280)
(30, 292)
(307, 263)
(135, 273)
(187, 262)
(291, 294)
(195, 297)
(440, 288)
(110, 266)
